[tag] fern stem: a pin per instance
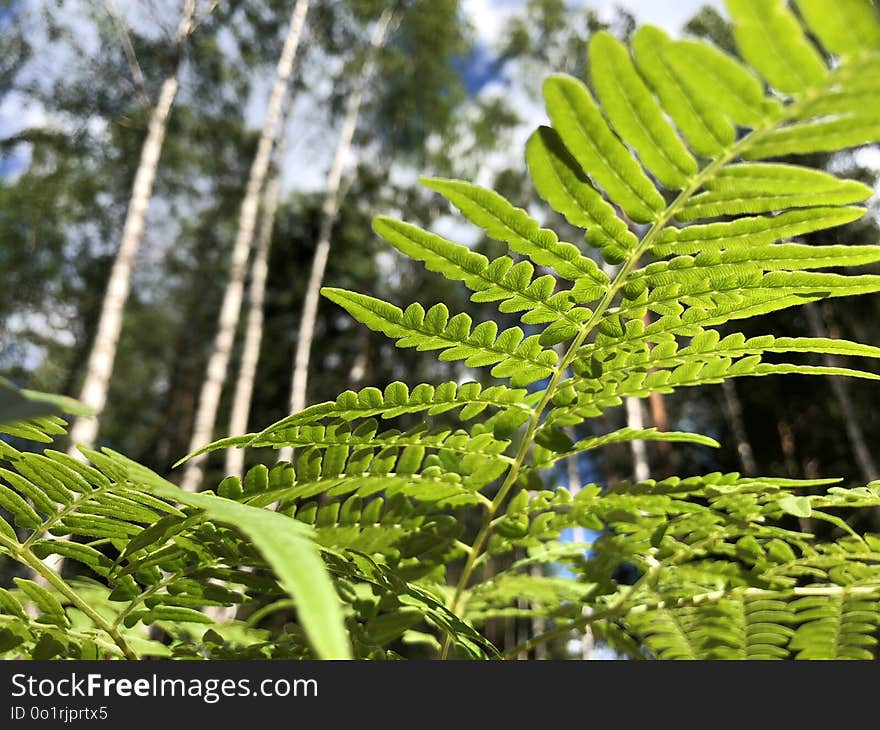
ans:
(57, 582)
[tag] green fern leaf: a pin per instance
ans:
(636, 116)
(561, 182)
(502, 279)
(520, 358)
(772, 41)
(513, 225)
(703, 126)
(846, 29)
(579, 123)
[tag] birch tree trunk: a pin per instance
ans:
(230, 310)
(857, 442)
(103, 353)
(329, 211)
(253, 337)
(635, 418)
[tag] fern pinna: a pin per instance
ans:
(665, 161)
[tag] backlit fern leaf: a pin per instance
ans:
(665, 161)
(664, 158)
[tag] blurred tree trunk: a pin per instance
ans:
(734, 412)
(789, 454)
(329, 212)
(635, 419)
(103, 351)
(230, 310)
(660, 421)
(253, 334)
(857, 442)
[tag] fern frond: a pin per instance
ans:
(847, 29)
(514, 226)
(514, 285)
(397, 399)
(668, 634)
(744, 233)
(840, 626)
(366, 469)
(561, 182)
(514, 356)
(579, 122)
(746, 627)
(715, 79)
(701, 123)
(546, 458)
(549, 596)
(366, 435)
(773, 42)
(636, 115)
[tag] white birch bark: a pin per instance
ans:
(103, 353)
(329, 211)
(253, 338)
(635, 418)
(230, 310)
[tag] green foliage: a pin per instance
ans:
(661, 161)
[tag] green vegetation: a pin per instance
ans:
(416, 519)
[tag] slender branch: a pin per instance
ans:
(137, 74)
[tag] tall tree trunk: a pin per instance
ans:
(635, 418)
(103, 353)
(230, 310)
(253, 334)
(733, 408)
(857, 442)
(789, 454)
(329, 211)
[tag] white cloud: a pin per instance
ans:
(489, 16)
(670, 15)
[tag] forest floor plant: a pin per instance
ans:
(363, 545)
